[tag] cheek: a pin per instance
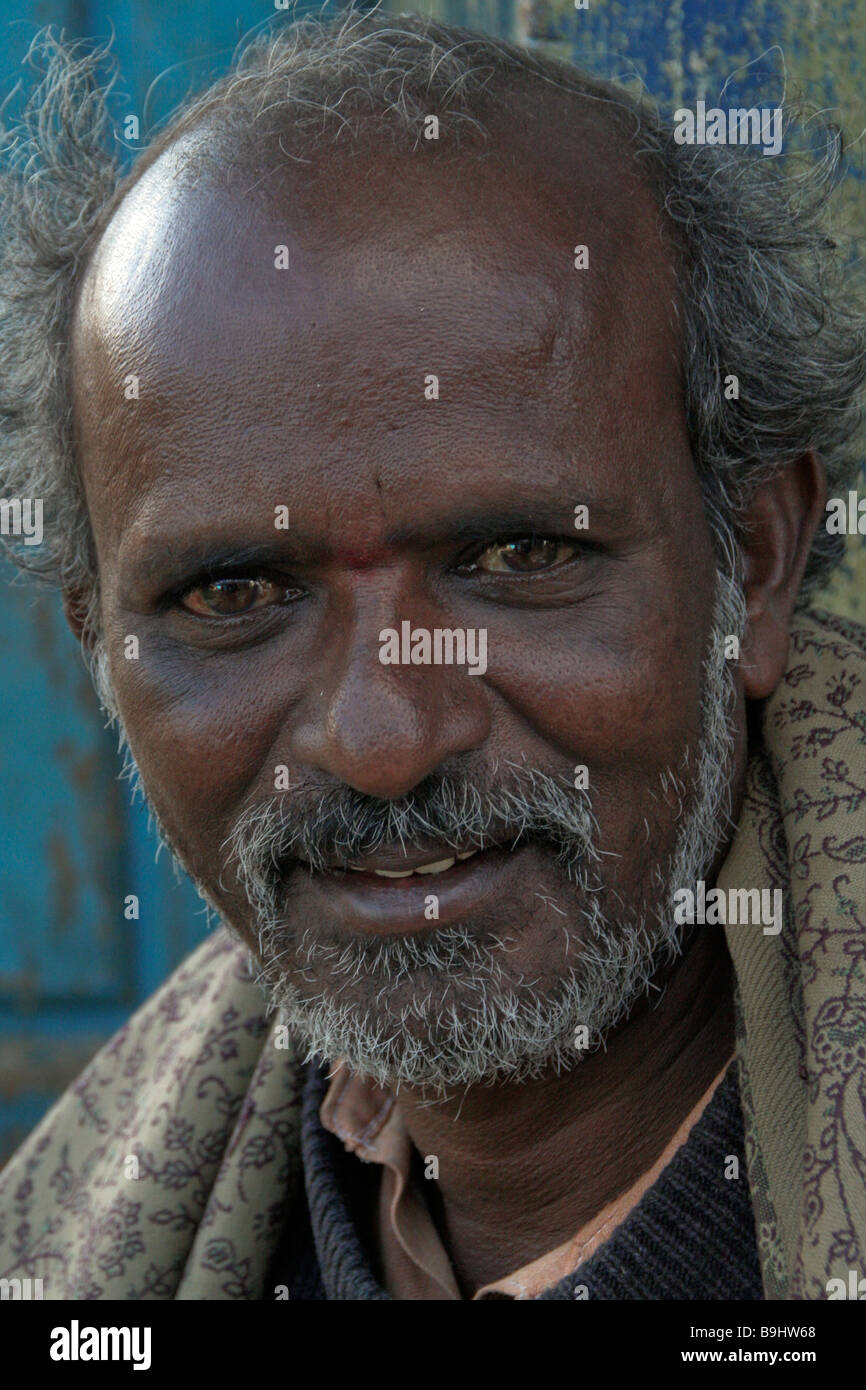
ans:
(205, 734)
(618, 690)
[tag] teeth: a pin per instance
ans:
(439, 866)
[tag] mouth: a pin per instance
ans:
(418, 890)
(435, 866)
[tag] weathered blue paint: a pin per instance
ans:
(72, 847)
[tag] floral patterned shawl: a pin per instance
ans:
(801, 995)
(169, 1168)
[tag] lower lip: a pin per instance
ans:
(396, 906)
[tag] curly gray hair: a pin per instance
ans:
(763, 293)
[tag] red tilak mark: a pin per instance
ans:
(360, 559)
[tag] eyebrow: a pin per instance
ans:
(531, 518)
(172, 561)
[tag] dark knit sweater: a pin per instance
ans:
(692, 1235)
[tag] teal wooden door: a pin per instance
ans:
(72, 846)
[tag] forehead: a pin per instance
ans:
(402, 266)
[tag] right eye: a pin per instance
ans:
(232, 596)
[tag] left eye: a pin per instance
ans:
(229, 597)
(524, 556)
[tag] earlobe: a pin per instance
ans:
(780, 525)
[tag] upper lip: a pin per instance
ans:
(398, 859)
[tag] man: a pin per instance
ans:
(439, 470)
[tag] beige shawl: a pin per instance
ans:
(169, 1168)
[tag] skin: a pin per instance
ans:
(306, 388)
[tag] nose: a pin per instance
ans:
(383, 728)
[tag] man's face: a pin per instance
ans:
(309, 389)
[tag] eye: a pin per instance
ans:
(527, 555)
(232, 596)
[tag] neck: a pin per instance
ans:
(523, 1167)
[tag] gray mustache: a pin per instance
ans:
(340, 824)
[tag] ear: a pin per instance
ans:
(780, 524)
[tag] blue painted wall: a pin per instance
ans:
(72, 845)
